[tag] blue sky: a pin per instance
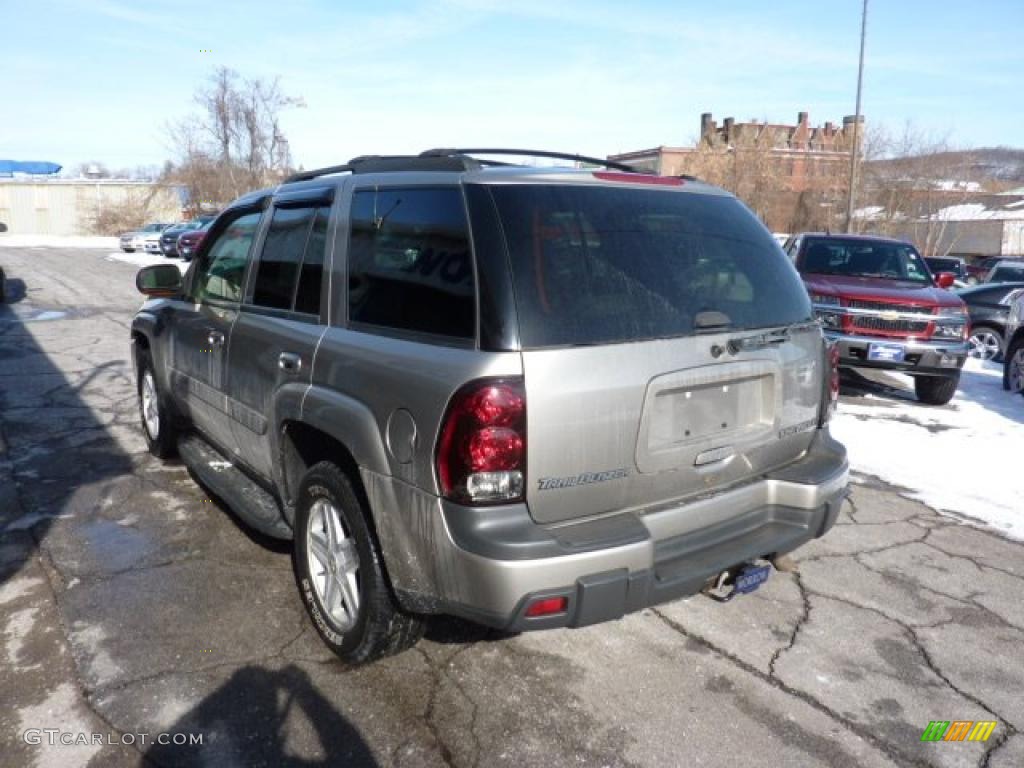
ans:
(99, 79)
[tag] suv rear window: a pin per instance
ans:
(595, 265)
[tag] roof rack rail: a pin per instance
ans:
(444, 160)
(531, 153)
(307, 175)
(392, 163)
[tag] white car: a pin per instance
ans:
(135, 240)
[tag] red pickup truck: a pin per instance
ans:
(877, 300)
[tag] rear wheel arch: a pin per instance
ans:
(303, 446)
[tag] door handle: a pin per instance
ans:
(289, 362)
(216, 339)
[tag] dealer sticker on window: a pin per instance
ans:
(889, 353)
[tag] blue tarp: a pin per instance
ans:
(11, 167)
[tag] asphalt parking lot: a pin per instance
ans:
(131, 603)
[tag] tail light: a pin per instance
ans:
(830, 389)
(481, 451)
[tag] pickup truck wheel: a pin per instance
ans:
(157, 420)
(936, 390)
(340, 572)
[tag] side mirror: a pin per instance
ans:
(945, 279)
(159, 280)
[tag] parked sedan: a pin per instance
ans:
(169, 237)
(134, 240)
(1006, 271)
(977, 269)
(953, 264)
(987, 307)
(189, 242)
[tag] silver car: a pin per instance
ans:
(136, 239)
(528, 397)
(1013, 360)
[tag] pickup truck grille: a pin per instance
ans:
(868, 323)
(881, 306)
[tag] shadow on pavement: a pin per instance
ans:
(451, 630)
(855, 384)
(986, 389)
(263, 716)
(44, 461)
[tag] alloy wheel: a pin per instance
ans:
(333, 564)
(150, 406)
(984, 345)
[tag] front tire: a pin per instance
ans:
(936, 390)
(340, 571)
(156, 414)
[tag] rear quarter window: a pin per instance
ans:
(410, 265)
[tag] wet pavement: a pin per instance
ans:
(132, 605)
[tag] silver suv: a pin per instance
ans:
(529, 397)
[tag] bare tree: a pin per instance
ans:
(235, 143)
(746, 164)
(911, 185)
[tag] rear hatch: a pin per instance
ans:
(667, 345)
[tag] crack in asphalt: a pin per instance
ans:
(968, 601)
(853, 727)
(872, 551)
(436, 676)
(805, 615)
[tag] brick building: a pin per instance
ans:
(791, 175)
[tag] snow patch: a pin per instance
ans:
(60, 709)
(146, 259)
(961, 459)
(19, 586)
(25, 522)
(19, 624)
(58, 241)
(101, 665)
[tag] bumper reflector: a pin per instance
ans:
(548, 606)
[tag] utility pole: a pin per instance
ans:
(855, 146)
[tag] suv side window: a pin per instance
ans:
(410, 266)
(290, 268)
(221, 273)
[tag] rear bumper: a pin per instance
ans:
(943, 358)
(494, 562)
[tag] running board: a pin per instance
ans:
(246, 498)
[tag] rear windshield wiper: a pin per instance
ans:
(768, 338)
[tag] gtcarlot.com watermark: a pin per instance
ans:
(54, 737)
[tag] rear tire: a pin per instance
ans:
(936, 390)
(340, 572)
(1013, 367)
(155, 412)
